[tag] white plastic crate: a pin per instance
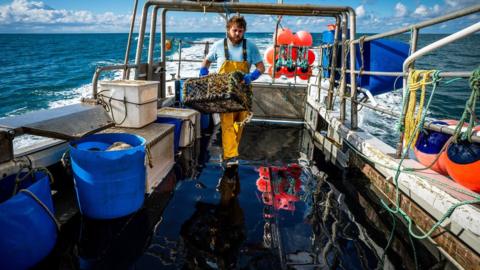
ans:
(190, 125)
(133, 103)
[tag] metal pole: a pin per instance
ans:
(163, 38)
(274, 68)
(333, 65)
(129, 42)
(451, 16)
(179, 58)
(99, 70)
(141, 36)
(151, 45)
(343, 83)
(319, 76)
(464, 74)
(353, 83)
(440, 43)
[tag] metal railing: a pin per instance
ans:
(345, 21)
(409, 63)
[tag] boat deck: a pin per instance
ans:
(187, 223)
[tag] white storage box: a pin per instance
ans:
(133, 103)
(190, 125)
(159, 139)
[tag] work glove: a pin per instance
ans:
(203, 72)
(249, 78)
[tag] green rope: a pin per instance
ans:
(389, 241)
(413, 171)
(438, 223)
(414, 251)
(405, 153)
(470, 106)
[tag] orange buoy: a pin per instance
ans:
(310, 57)
(284, 36)
(289, 73)
(303, 73)
(268, 56)
(463, 163)
(270, 72)
(331, 27)
(430, 143)
(168, 45)
(303, 38)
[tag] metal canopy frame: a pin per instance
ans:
(336, 12)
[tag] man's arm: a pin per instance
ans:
(207, 63)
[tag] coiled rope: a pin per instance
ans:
(417, 79)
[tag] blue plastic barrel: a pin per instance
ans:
(177, 130)
(109, 184)
(27, 232)
(204, 120)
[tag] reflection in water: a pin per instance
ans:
(214, 234)
(340, 241)
(279, 186)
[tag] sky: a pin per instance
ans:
(113, 16)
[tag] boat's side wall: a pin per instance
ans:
(279, 101)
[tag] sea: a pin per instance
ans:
(331, 222)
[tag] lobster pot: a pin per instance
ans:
(218, 93)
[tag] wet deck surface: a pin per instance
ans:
(190, 223)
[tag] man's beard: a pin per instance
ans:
(233, 40)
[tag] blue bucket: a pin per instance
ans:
(177, 130)
(109, 184)
(27, 232)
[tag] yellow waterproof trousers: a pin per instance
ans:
(231, 131)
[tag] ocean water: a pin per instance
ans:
(41, 71)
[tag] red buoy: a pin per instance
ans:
(463, 163)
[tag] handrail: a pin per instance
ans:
(429, 48)
(101, 69)
(420, 25)
(245, 8)
(129, 42)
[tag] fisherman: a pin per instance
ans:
(234, 53)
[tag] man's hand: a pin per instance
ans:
(249, 78)
(203, 72)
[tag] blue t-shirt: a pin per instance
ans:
(217, 53)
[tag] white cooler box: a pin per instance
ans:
(190, 124)
(133, 103)
(159, 139)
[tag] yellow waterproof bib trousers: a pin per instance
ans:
(231, 131)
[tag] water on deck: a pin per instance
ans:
(305, 218)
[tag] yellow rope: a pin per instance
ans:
(417, 79)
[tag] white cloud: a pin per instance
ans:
(400, 10)
(360, 11)
(460, 3)
(424, 11)
(34, 15)
(421, 10)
